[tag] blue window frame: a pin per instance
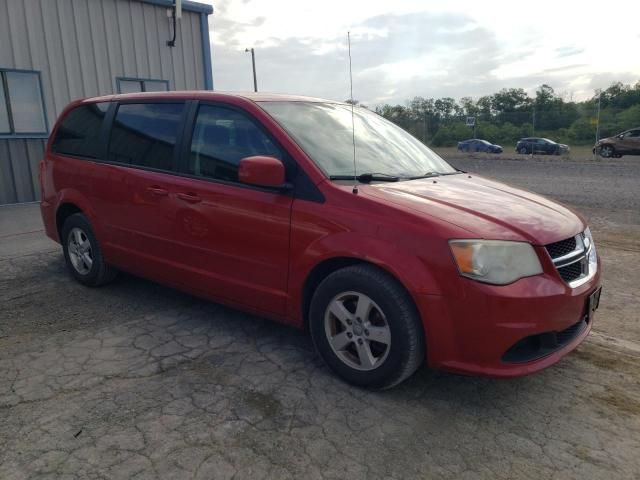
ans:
(132, 85)
(22, 109)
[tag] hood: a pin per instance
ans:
(485, 208)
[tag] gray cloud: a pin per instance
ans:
(461, 57)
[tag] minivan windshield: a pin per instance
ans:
(324, 131)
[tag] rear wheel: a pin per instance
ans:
(83, 254)
(366, 328)
(607, 151)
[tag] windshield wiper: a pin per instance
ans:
(434, 174)
(368, 177)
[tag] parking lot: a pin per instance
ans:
(135, 380)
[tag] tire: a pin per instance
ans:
(557, 151)
(347, 345)
(82, 253)
(522, 151)
(607, 151)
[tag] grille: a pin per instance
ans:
(563, 247)
(571, 259)
(571, 272)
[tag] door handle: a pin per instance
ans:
(160, 192)
(189, 197)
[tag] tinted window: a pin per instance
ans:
(79, 132)
(145, 134)
(221, 138)
(633, 134)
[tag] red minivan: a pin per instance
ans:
(255, 201)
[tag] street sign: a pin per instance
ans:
(471, 121)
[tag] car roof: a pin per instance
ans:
(210, 95)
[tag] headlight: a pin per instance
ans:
(495, 261)
(593, 257)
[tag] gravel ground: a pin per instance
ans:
(135, 380)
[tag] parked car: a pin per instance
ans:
(478, 145)
(251, 201)
(541, 146)
(625, 143)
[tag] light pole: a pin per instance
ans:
(253, 64)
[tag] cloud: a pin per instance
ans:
(568, 51)
(397, 56)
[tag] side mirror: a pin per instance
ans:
(262, 171)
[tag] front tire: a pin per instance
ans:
(82, 252)
(522, 151)
(607, 151)
(366, 328)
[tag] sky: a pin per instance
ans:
(406, 48)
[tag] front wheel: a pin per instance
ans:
(522, 150)
(606, 151)
(82, 252)
(366, 327)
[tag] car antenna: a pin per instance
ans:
(353, 123)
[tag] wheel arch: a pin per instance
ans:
(329, 265)
(64, 211)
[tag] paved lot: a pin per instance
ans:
(135, 380)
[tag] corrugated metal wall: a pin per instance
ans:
(81, 47)
(19, 170)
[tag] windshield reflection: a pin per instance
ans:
(324, 132)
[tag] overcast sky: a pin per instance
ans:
(404, 48)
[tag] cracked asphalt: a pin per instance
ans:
(135, 380)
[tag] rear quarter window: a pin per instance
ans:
(79, 133)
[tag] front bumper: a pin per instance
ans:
(473, 332)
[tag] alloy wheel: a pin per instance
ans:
(357, 331)
(606, 151)
(80, 253)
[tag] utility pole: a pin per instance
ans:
(598, 119)
(253, 64)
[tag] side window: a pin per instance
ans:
(79, 132)
(634, 134)
(145, 134)
(221, 138)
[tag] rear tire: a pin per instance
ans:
(366, 328)
(82, 253)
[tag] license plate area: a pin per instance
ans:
(593, 302)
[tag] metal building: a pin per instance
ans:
(55, 51)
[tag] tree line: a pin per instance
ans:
(512, 113)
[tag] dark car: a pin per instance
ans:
(478, 145)
(625, 143)
(542, 146)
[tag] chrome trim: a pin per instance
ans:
(573, 257)
(580, 254)
(580, 249)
